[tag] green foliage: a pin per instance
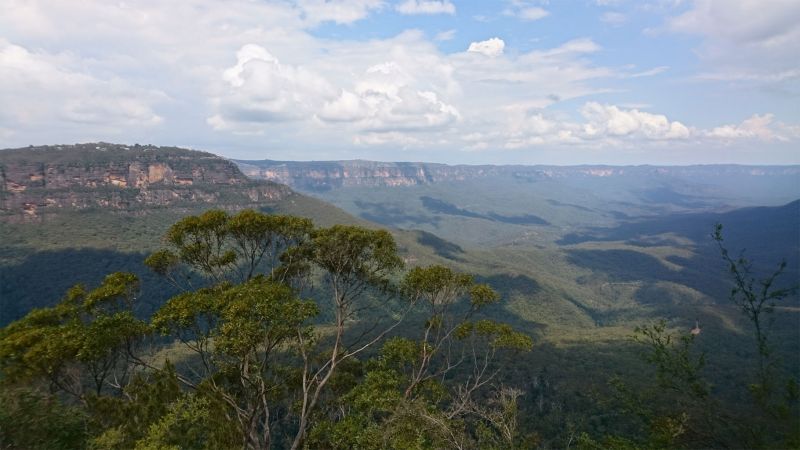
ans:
(121, 421)
(222, 247)
(496, 335)
(265, 368)
(354, 257)
(259, 315)
(30, 419)
(756, 298)
(675, 411)
(188, 423)
(676, 368)
(93, 330)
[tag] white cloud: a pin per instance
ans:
(426, 7)
(532, 13)
(757, 126)
(606, 126)
(228, 70)
(751, 36)
(602, 126)
(582, 45)
(43, 87)
(750, 75)
(649, 72)
(447, 35)
(491, 47)
(388, 99)
(262, 90)
(338, 11)
(526, 10)
(613, 18)
(743, 21)
(609, 120)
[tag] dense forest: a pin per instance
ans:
(283, 334)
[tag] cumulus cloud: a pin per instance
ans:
(260, 70)
(609, 120)
(757, 126)
(490, 47)
(426, 7)
(43, 87)
(602, 125)
(385, 99)
(606, 125)
(262, 90)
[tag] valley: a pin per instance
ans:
(579, 256)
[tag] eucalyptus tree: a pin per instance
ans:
(263, 367)
(82, 346)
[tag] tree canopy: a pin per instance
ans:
(267, 345)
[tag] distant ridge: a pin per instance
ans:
(319, 176)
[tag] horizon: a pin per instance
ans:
(517, 82)
(304, 161)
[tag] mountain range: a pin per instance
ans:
(580, 255)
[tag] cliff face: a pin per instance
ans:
(41, 180)
(319, 176)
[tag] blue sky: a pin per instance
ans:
(517, 81)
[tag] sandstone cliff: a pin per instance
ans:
(41, 180)
(319, 176)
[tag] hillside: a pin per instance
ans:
(583, 254)
(74, 213)
(491, 206)
(579, 261)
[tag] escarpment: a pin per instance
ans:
(36, 181)
(321, 176)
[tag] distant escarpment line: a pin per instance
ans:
(320, 176)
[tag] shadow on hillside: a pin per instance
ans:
(438, 206)
(441, 247)
(763, 229)
(391, 215)
(767, 234)
(703, 273)
(42, 278)
(508, 286)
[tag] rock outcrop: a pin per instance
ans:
(40, 180)
(320, 176)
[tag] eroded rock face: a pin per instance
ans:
(317, 176)
(37, 180)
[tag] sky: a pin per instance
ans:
(474, 82)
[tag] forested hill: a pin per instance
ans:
(74, 213)
(577, 265)
(36, 181)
